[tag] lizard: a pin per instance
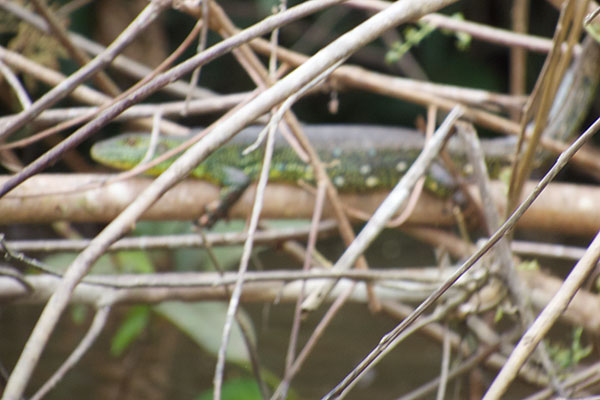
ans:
(358, 158)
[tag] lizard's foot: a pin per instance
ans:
(213, 212)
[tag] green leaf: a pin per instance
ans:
(531, 265)
(59, 262)
(203, 323)
(566, 357)
(79, 312)
(134, 261)
(132, 327)
(155, 228)
(593, 29)
(236, 389)
(579, 352)
(498, 315)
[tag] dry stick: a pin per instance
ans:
(482, 32)
(389, 338)
(478, 31)
(145, 18)
(245, 329)
(25, 204)
(507, 272)
(418, 189)
(492, 219)
(549, 81)
(15, 84)
(171, 109)
(279, 285)
(343, 46)
(518, 56)
(248, 331)
(446, 354)
(423, 276)
(545, 320)
(313, 339)
(538, 106)
(293, 341)
(248, 245)
(547, 250)
(88, 340)
(473, 96)
(252, 65)
(48, 76)
(200, 48)
(388, 208)
(257, 71)
(271, 236)
(83, 93)
(210, 54)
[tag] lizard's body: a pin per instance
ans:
(358, 158)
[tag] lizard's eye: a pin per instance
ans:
(131, 141)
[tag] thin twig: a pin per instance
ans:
(444, 374)
(312, 240)
(245, 260)
(170, 109)
(244, 327)
(200, 48)
(14, 83)
(271, 236)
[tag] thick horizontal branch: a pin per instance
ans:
(563, 208)
(52, 197)
(282, 286)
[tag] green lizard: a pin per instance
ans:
(357, 158)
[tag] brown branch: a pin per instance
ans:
(554, 211)
(282, 285)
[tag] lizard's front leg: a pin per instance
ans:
(234, 186)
